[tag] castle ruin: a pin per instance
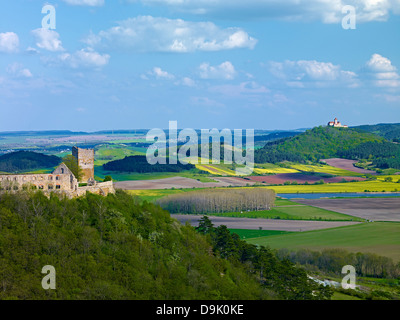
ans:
(61, 180)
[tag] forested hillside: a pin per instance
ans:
(383, 154)
(26, 160)
(140, 164)
(115, 248)
(390, 131)
(313, 145)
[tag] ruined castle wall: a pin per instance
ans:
(101, 188)
(45, 182)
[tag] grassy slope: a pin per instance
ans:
(292, 213)
(379, 237)
(244, 234)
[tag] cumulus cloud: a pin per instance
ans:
(188, 82)
(298, 73)
(147, 33)
(161, 74)
(17, 70)
(225, 70)
(295, 10)
(381, 72)
(48, 39)
(9, 42)
(91, 3)
(84, 58)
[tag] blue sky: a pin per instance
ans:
(259, 64)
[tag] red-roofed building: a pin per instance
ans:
(335, 123)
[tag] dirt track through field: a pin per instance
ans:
(376, 209)
(346, 165)
(265, 224)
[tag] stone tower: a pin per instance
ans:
(85, 158)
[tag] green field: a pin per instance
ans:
(381, 238)
(293, 212)
(105, 153)
(245, 234)
(152, 195)
(285, 202)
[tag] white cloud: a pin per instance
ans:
(327, 11)
(381, 71)
(188, 82)
(161, 74)
(84, 58)
(31, 50)
(90, 58)
(298, 73)
(92, 3)
(48, 39)
(147, 33)
(225, 70)
(9, 42)
(17, 70)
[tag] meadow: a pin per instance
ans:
(244, 233)
(294, 212)
(381, 238)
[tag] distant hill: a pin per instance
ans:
(42, 133)
(139, 164)
(21, 161)
(275, 136)
(389, 131)
(313, 145)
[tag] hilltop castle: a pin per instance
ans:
(336, 124)
(61, 180)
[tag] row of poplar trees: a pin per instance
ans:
(219, 201)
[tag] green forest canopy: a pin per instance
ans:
(116, 248)
(313, 145)
(21, 161)
(139, 164)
